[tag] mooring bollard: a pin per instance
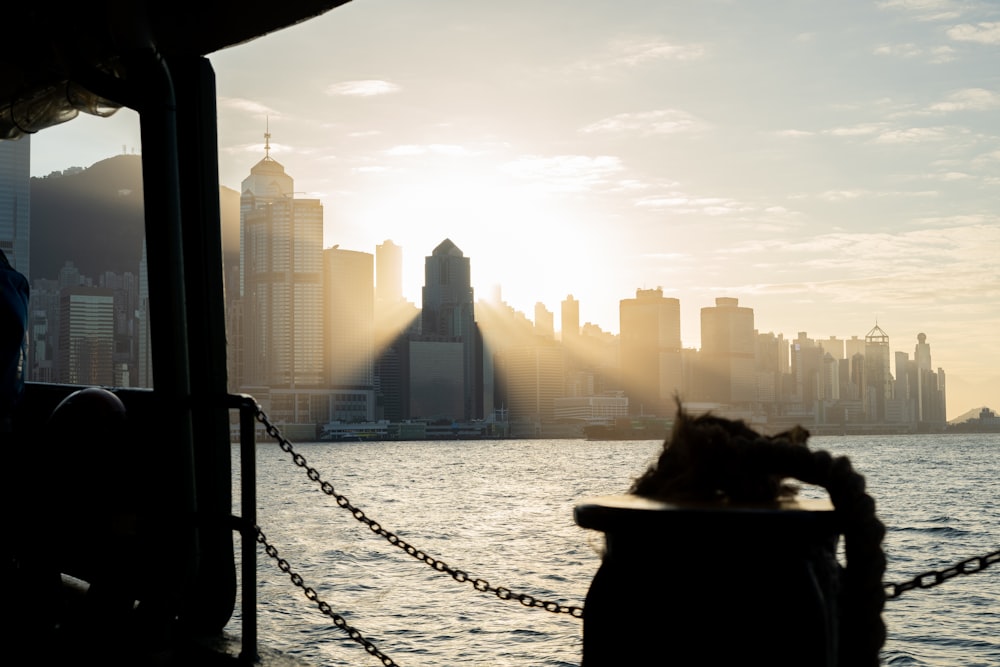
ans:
(712, 583)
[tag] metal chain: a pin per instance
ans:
(480, 585)
(324, 607)
(935, 577)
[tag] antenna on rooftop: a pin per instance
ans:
(267, 137)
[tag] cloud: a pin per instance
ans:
(912, 135)
(908, 50)
(936, 55)
(925, 10)
(983, 33)
(969, 99)
(248, 106)
(362, 88)
(794, 134)
(661, 121)
(638, 51)
(863, 129)
(849, 195)
(634, 52)
(942, 54)
(915, 267)
(408, 150)
(565, 173)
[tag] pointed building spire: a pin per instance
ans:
(267, 137)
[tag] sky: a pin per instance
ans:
(832, 165)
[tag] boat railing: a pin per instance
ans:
(247, 522)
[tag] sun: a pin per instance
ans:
(516, 235)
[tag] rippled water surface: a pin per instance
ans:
(502, 511)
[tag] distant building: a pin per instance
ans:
(436, 372)
(544, 322)
(349, 323)
(281, 283)
(534, 378)
(650, 351)
(86, 336)
(878, 380)
(448, 313)
(727, 352)
(388, 273)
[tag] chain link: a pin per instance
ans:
(461, 576)
(323, 606)
(936, 577)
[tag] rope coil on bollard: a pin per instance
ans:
(709, 458)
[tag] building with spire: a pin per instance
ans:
(877, 387)
(281, 286)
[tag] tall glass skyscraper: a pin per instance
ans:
(448, 312)
(281, 281)
(15, 202)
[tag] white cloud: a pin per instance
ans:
(942, 54)
(363, 88)
(974, 99)
(912, 135)
(794, 134)
(565, 173)
(983, 33)
(662, 121)
(248, 106)
(925, 10)
(908, 50)
(863, 129)
(410, 150)
(639, 51)
(842, 195)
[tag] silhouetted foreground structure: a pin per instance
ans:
(149, 56)
(712, 561)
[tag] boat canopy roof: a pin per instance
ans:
(57, 56)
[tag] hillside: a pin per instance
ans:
(94, 218)
(966, 416)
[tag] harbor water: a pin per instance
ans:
(502, 511)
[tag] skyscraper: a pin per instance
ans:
(448, 312)
(930, 385)
(650, 351)
(388, 273)
(349, 322)
(727, 352)
(281, 282)
(877, 386)
(15, 202)
(570, 321)
(86, 336)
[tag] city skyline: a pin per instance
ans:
(831, 166)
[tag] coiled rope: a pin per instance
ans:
(708, 458)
